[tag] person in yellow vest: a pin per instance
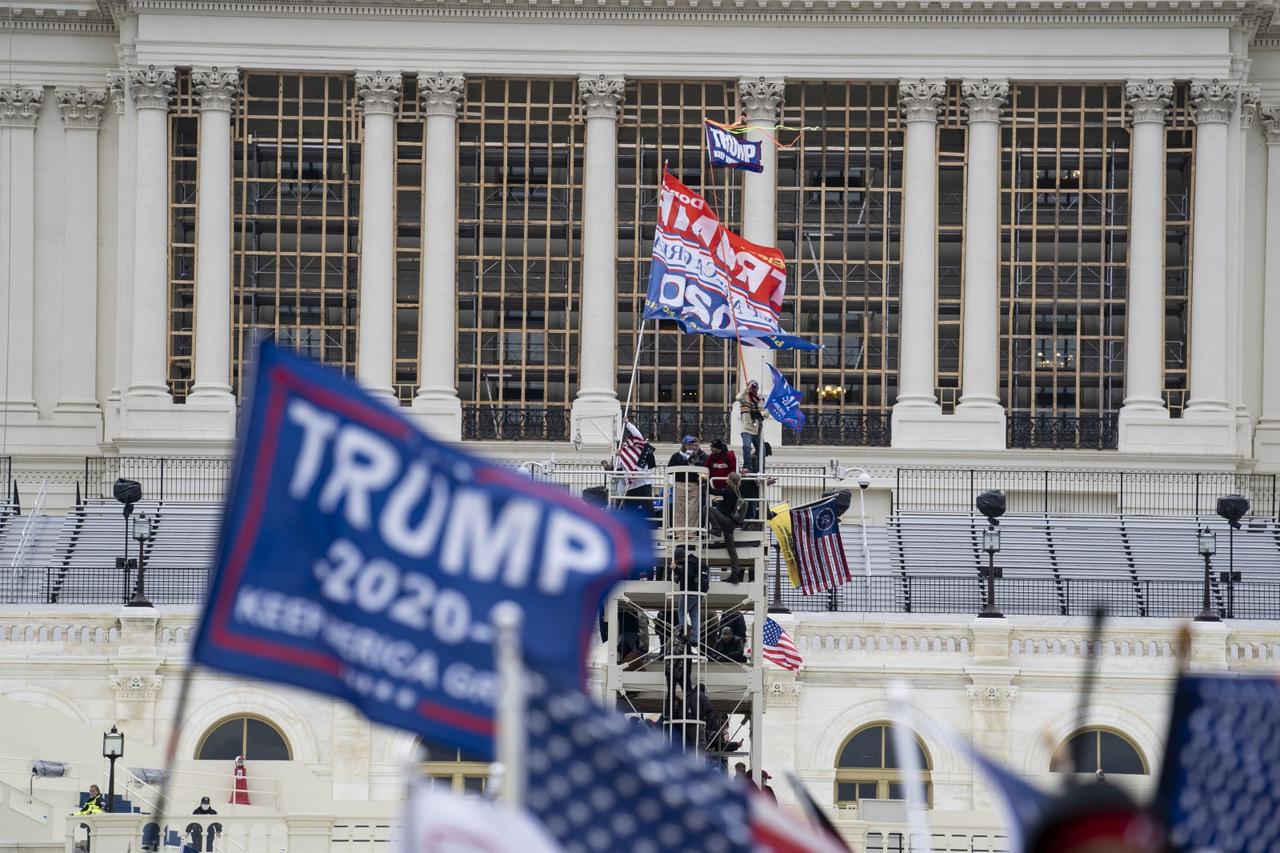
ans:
(93, 805)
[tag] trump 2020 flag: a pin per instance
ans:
(362, 559)
(711, 281)
(783, 404)
(728, 149)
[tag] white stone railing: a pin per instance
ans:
(124, 833)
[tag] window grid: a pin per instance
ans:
(867, 767)
(184, 146)
(1180, 150)
(662, 122)
(1064, 234)
(520, 147)
(953, 138)
(271, 741)
(840, 223)
(1091, 749)
(296, 144)
(409, 173)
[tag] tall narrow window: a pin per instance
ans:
(184, 146)
(1179, 182)
(296, 217)
(520, 147)
(952, 151)
(1064, 239)
(410, 154)
(684, 383)
(840, 226)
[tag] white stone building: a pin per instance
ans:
(1031, 236)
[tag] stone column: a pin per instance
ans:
(759, 100)
(216, 89)
(1213, 101)
(437, 399)
(596, 411)
(78, 385)
(916, 412)
(980, 382)
(126, 182)
(19, 111)
(151, 88)
(1267, 437)
(379, 94)
(1144, 347)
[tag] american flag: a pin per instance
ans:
(631, 448)
(1220, 781)
(778, 648)
(599, 781)
(820, 558)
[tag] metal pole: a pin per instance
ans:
(1206, 612)
(111, 787)
(507, 619)
(862, 507)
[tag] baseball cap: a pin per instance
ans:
(689, 439)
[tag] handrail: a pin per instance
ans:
(267, 787)
(37, 510)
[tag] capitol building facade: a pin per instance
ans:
(1030, 236)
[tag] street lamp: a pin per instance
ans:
(128, 492)
(143, 531)
(1232, 508)
(112, 748)
(991, 504)
(1207, 541)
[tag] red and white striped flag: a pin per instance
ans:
(631, 449)
(820, 558)
(778, 648)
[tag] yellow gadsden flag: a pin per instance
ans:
(781, 526)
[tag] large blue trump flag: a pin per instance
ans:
(362, 559)
(783, 404)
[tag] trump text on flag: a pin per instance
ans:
(361, 558)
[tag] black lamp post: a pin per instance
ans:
(991, 504)
(1232, 508)
(1207, 542)
(128, 492)
(112, 748)
(143, 530)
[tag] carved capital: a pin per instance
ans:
(20, 105)
(379, 92)
(440, 93)
(151, 87)
(116, 88)
(216, 87)
(1250, 104)
(984, 98)
(1271, 124)
(783, 694)
(81, 108)
(1214, 100)
(1149, 100)
(136, 686)
(995, 697)
(601, 96)
(921, 98)
(760, 97)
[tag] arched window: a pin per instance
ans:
(867, 767)
(452, 768)
(1089, 750)
(253, 737)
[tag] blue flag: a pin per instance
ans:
(783, 404)
(361, 558)
(729, 149)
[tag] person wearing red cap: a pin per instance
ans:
(765, 787)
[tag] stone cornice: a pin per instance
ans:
(1012, 12)
(216, 87)
(1149, 100)
(440, 93)
(27, 17)
(379, 92)
(20, 105)
(151, 87)
(921, 98)
(82, 107)
(601, 95)
(760, 97)
(984, 98)
(1213, 100)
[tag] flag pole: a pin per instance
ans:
(908, 761)
(511, 737)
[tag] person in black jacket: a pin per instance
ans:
(727, 514)
(691, 576)
(205, 808)
(730, 647)
(686, 509)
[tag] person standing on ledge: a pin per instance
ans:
(752, 413)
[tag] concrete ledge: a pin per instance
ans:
(926, 428)
(157, 424)
(1208, 434)
(438, 416)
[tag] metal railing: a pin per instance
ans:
(171, 478)
(502, 423)
(93, 585)
(1083, 492)
(671, 423)
(843, 429)
(28, 526)
(1047, 596)
(1062, 432)
(6, 478)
